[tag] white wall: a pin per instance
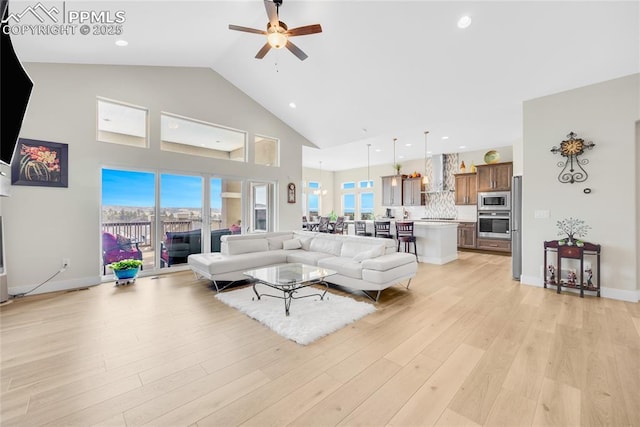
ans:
(605, 113)
(43, 225)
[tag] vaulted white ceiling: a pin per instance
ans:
(380, 69)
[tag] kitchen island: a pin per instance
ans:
(436, 241)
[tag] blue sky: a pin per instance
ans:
(132, 188)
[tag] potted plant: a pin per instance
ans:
(126, 268)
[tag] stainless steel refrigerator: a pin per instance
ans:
(516, 227)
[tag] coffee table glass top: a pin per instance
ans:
(289, 274)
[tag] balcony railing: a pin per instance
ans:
(142, 233)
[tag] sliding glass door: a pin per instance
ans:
(181, 199)
(162, 218)
(127, 217)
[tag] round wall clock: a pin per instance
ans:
(572, 147)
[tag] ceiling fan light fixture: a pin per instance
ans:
(276, 37)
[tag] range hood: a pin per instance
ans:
(436, 180)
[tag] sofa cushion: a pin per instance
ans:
(276, 241)
(306, 242)
(326, 245)
(373, 252)
(351, 248)
(345, 266)
(306, 257)
(389, 261)
(291, 244)
(216, 263)
(235, 247)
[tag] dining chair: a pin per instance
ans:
(323, 226)
(382, 229)
(361, 228)
(305, 223)
(404, 234)
(339, 226)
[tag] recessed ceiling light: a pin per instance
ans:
(401, 157)
(292, 104)
(445, 137)
(463, 146)
(377, 150)
(407, 145)
(429, 152)
(464, 22)
(121, 42)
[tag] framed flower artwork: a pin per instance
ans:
(40, 163)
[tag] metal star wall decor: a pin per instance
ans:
(572, 148)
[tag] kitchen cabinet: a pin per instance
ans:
(466, 193)
(412, 192)
(498, 245)
(392, 194)
(495, 177)
(467, 235)
(577, 273)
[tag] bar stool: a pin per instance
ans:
(404, 233)
(361, 228)
(382, 229)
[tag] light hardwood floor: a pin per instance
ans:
(465, 345)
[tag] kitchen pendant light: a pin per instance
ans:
(425, 180)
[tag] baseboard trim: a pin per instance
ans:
(438, 260)
(611, 293)
(620, 294)
(61, 285)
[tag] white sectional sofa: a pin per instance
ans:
(367, 264)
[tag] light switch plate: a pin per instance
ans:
(541, 214)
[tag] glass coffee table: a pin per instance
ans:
(289, 279)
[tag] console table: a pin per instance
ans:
(575, 274)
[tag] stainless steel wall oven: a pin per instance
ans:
(494, 224)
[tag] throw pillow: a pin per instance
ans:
(371, 253)
(276, 242)
(291, 244)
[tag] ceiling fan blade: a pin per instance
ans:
(296, 51)
(246, 29)
(272, 12)
(303, 31)
(262, 52)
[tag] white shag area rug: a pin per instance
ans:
(309, 318)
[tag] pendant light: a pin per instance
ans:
(425, 180)
(319, 191)
(394, 181)
(368, 165)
